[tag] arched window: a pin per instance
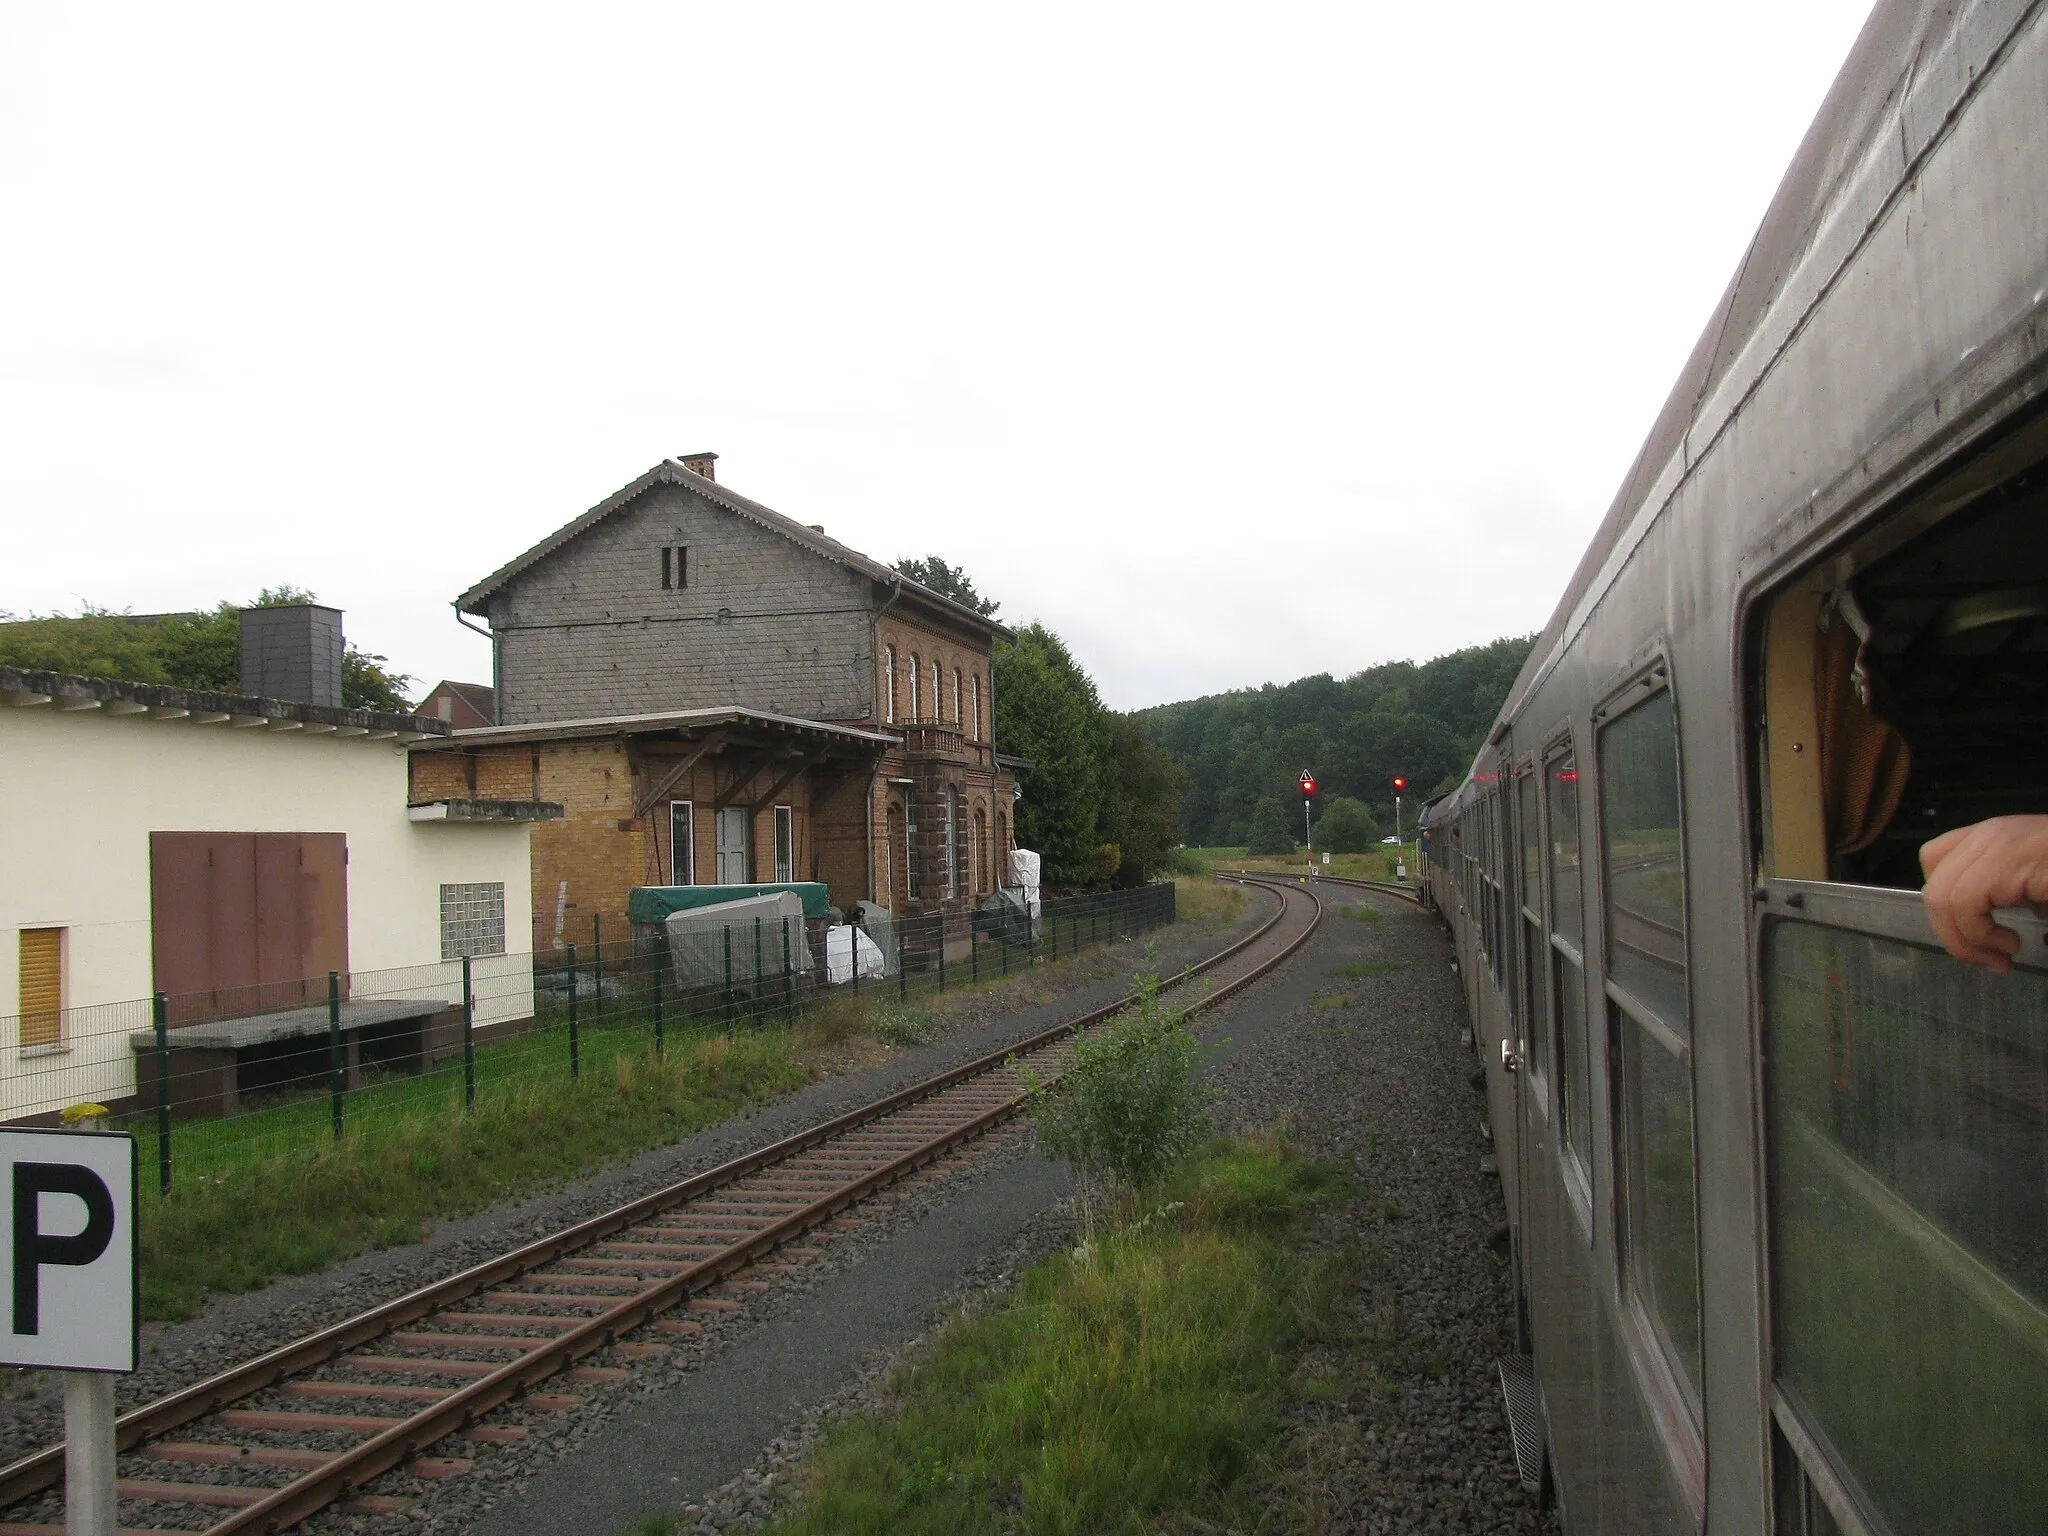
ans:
(981, 859)
(956, 698)
(1002, 845)
(913, 688)
(937, 702)
(974, 711)
(888, 685)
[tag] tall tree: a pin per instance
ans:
(948, 581)
(1046, 709)
(1421, 720)
(1141, 797)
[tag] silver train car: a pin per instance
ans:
(1776, 1166)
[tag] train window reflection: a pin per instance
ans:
(1528, 811)
(1567, 918)
(1574, 1068)
(1645, 877)
(1657, 1163)
(1644, 893)
(1907, 1104)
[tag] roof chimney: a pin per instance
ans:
(699, 464)
(293, 652)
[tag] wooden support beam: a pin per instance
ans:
(803, 762)
(669, 780)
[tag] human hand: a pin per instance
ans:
(1971, 871)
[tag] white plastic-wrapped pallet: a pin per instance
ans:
(1024, 867)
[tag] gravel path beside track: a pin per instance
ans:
(235, 1327)
(1398, 1430)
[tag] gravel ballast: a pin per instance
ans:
(1397, 1430)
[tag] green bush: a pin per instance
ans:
(1346, 826)
(1272, 828)
(1130, 1102)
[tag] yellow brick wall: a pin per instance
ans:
(439, 776)
(505, 774)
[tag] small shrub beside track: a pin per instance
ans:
(1136, 1379)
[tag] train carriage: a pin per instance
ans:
(1776, 1166)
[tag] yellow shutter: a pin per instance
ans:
(42, 986)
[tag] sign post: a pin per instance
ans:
(67, 1250)
(1308, 794)
(1400, 847)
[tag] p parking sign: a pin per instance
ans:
(67, 1250)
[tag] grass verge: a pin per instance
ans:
(250, 1203)
(1128, 1385)
(292, 1215)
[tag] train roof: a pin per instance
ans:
(1905, 46)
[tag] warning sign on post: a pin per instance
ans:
(67, 1250)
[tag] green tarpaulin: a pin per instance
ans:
(653, 903)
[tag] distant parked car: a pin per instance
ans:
(1390, 840)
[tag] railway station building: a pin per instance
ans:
(719, 694)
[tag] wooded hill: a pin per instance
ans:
(1421, 720)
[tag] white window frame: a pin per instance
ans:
(889, 685)
(974, 699)
(914, 665)
(682, 851)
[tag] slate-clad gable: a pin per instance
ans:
(588, 629)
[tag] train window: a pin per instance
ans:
(1534, 992)
(1567, 965)
(1908, 1182)
(1905, 685)
(1643, 887)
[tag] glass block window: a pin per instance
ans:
(473, 919)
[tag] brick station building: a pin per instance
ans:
(718, 694)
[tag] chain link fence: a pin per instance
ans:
(209, 1082)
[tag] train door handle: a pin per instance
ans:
(1509, 1061)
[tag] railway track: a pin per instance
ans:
(1280, 878)
(267, 1444)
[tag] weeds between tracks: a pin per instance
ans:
(1138, 1378)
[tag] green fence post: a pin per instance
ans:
(337, 1074)
(660, 1045)
(468, 1037)
(788, 976)
(973, 953)
(757, 967)
(942, 951)
(1003, 938)
(161, 1015)
(575, 1040)
(727, 931)
(902, 974)
(853, 933)
(597, 963)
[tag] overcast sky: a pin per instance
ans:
(1234, 343)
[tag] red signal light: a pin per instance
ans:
(1308, 784)
(1400, 783)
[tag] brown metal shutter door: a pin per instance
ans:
(42, 986)
(280, 967)
(323, 908)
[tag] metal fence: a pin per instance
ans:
(249, 1080)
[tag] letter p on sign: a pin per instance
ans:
(67, 1250)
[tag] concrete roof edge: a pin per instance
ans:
(64, 685)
